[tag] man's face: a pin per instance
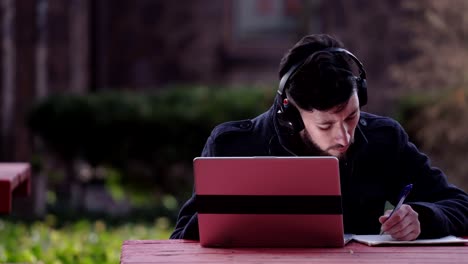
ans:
(331, 131)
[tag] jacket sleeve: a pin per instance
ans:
(442, 207)
(187, 221)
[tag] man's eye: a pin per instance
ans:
(324, 128)
(350, 118)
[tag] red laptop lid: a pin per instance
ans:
(268, 201)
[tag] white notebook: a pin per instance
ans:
(376, 240)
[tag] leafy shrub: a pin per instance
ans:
(79, 242)
(147, 139)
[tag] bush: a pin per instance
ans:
(437, 124)
(111, 127)
(143, 139)
(79, 242)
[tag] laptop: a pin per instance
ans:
(268, 201)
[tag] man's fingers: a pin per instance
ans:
(401, 229)
(389, 222)
(403, 225)
(384, 217)
(410, 232)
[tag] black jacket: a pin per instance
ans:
(381, 162)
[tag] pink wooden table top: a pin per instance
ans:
(14, 178)
(186, 251)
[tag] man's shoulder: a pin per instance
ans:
(381, 130)
(373, 121)
(240, 127)
(247, 137)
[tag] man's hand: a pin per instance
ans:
(403, 225)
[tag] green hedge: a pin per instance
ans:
(80, 242)
(156, 131)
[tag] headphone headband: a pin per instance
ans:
(285, 78)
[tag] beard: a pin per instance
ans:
(311, 148)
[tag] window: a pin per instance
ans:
(274, 18)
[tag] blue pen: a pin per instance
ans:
(404, 193)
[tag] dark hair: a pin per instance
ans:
(323, 81)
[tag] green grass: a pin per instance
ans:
(81, 241)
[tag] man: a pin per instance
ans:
(317, 112)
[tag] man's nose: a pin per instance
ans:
(342, 136)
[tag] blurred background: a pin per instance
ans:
(111, 100)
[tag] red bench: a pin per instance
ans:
(15, 179)
(185, 251)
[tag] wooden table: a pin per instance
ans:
(186, 251)
(15, 178)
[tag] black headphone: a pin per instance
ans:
(288, 115)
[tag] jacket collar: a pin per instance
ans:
(360, 139)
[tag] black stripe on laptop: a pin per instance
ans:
(268, 204)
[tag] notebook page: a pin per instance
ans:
(374, 240)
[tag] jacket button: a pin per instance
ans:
(245, 125)
(363, 122)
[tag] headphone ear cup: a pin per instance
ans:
(362, 91)
(295, 118)
(290, 118)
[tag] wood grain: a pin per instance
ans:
(185, 251)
